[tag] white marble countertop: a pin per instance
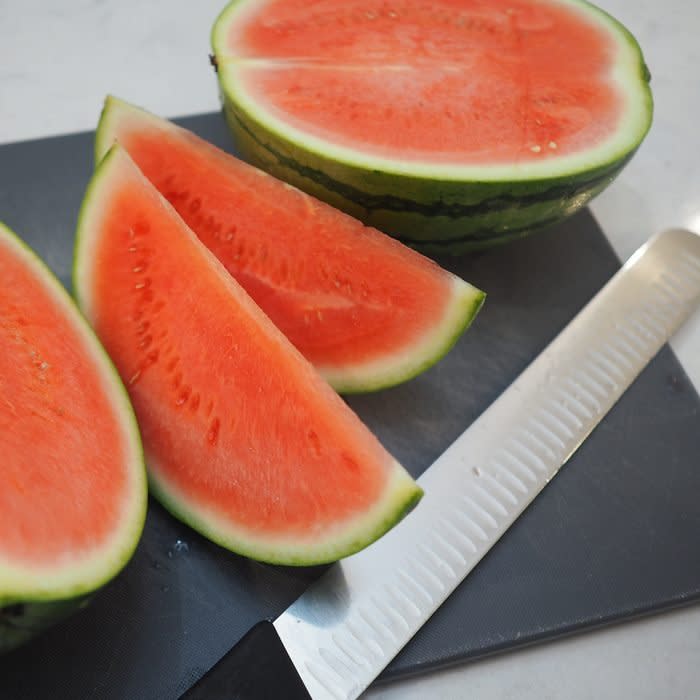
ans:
(57, 62)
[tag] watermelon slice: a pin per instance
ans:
(243, 438)
(366, 311)
(451, 124)
(73, 496)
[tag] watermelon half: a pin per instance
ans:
(451, 124)
(243, 438)
(365, 310)
(73, 496)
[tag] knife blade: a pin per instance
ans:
(339, 635)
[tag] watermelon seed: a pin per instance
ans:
(152, 356)
(213, 434)
(552, 145)
(135, 377)
(231, 233)
(143, 284)
(184, 395)
(194, 404)
(349, 462)
(315, 442)
(145, 342)
(133, 249)
(142, 228)
(143, 326)
(535, 148)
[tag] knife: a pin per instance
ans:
(346, 627)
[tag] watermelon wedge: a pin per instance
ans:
(73, 496)
(451, 124)
(366, 311)
(243, 438)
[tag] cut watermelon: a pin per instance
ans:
(365, 310)
(243, 438)
(73, 496)
(452, 124)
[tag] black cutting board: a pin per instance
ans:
(614, 535)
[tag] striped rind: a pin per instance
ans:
(460, 305)
(438, 207)
(21, 582)
(400, 492)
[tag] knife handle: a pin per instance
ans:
(257, 668)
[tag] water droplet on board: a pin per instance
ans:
(180, 547)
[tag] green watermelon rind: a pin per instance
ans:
(401, 496)
(459, 207)
(49, 595)
(464, 305)
(461, 307)
(400, 491)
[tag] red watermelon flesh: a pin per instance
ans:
(450, 81)
(243, 438)
(73, 496)
(367, 311)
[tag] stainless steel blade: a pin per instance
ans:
(347, 627)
